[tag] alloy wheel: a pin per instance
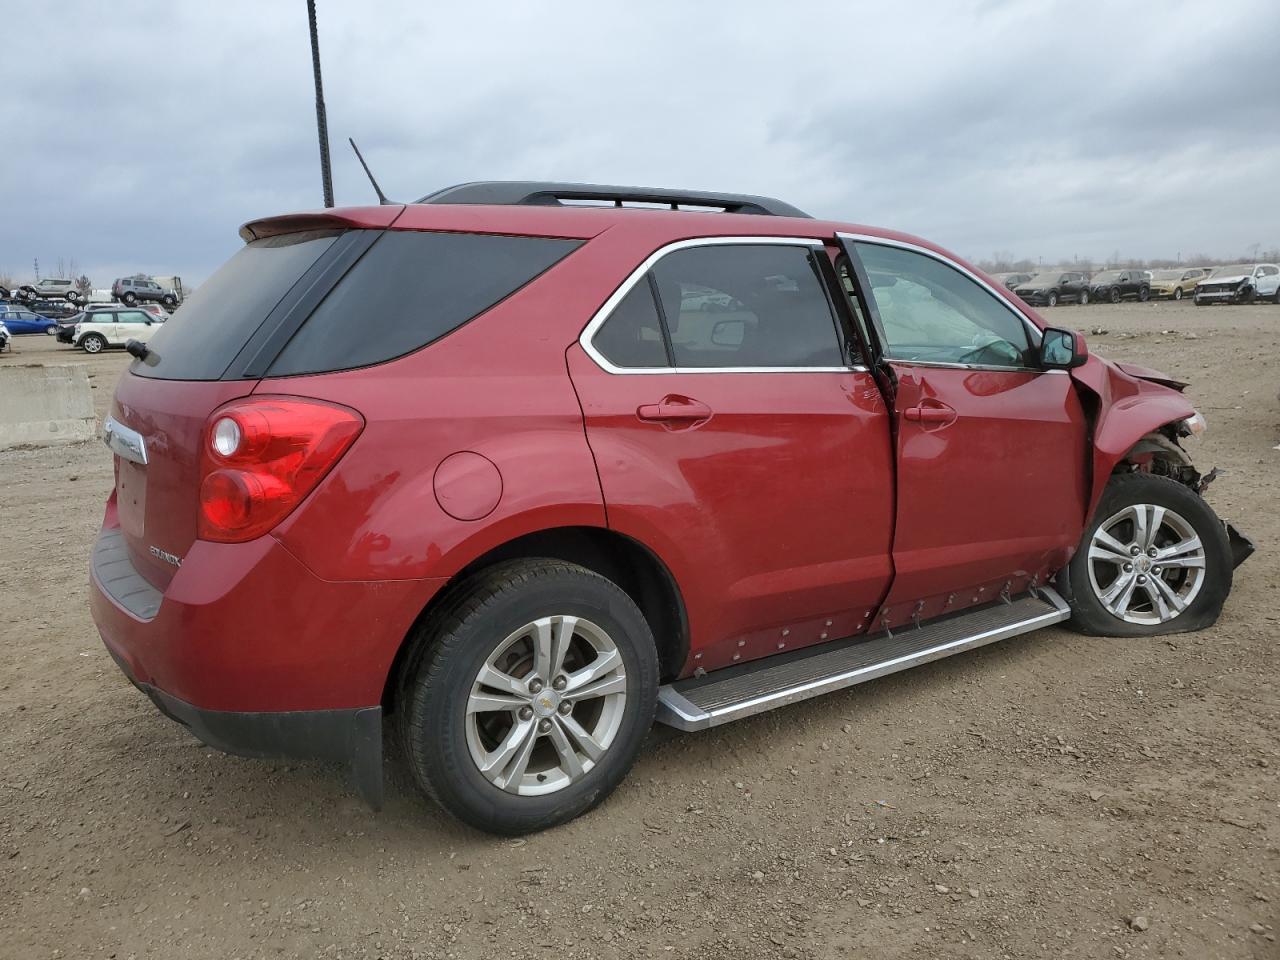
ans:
(1146, 564)
(546, 705)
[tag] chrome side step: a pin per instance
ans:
(737, 692)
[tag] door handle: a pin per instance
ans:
(934, 412)
(674, 409)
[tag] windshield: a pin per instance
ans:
(1233, 270)
(1043, 280)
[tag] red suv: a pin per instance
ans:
(521, 466)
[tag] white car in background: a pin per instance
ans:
(114, 328)
(1240, 283)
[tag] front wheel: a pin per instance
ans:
(1144, 294)
(1084, 298)
(1052, 299)
(528, 696)
(93, 343)
(1177, 293)
(51, 329)
(1155, 559)
(1115, 295)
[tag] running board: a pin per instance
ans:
(737, 692)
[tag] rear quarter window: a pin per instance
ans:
(409, 290)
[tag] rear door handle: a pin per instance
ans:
(933, 412)
(674, 409)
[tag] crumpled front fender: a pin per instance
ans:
(1126, 409)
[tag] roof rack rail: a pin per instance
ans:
(536, 193)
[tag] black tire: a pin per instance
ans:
(51, 329)
(130, 298)
(73, 297)
(1115, 295)
(1177, 293)
(169, 300)
(1250, 295)
(1052, 298)
(1084, 298)
(449, 650)
(1090, 616)
(1199, 303)
(1276, 296)
(93, 343)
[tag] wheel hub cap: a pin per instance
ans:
(1146, 564)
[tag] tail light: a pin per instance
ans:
(262, 456)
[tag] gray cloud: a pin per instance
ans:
(1049, 129)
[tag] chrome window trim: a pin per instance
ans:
(968, 366)
(1037, 334)
(124, 442)
(600, 316)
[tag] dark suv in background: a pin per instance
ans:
(1117, 285)
(1051, 288)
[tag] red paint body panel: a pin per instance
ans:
(995, 496)
(1128, 409)
(247, 627)
(774, 515)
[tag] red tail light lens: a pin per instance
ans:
(262, 456)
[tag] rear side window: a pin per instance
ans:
(203, 337)
(409, 290)
(632, 336)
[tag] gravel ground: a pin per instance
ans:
(1051, 796)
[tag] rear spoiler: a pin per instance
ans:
(368, 218)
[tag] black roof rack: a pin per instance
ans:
(536, 193)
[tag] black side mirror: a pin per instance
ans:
(1062, 349)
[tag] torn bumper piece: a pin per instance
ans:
(1241, 546)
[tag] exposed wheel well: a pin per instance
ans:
(626, 562)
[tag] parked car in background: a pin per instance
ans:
(133, 290)
(1012, 281)
(1176, 284)
(1239, 283)
(21, 320)
(173, 285)
(66, 332)
(50, 288)
(101, 329)
(4, 337)
(1117, 285)
(533, 575)
(53, 309)
(1053, 287)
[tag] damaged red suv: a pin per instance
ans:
(522, 466)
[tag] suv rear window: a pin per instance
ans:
(411, 289)
(203, 337)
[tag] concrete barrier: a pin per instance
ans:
(41, 405)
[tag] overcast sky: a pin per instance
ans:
(140, 134)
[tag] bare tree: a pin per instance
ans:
(83, 285)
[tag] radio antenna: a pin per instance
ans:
(382, 197)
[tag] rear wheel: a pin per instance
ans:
(1155, 559)
(528, 696)
(1052, 299)
(1144, 294)
(1115, 295)
(51, 329)
(130, 298)
(169, 300)
(1084, 298)
(93, 343)
(1177, 293)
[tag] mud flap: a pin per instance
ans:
(1241, 546)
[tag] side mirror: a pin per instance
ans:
(1062, 349)
(728, 333)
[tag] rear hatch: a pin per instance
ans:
(290, 304)
(200, 359)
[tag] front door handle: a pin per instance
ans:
(931, 411)
(674, 408)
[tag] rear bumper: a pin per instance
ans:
(352, 737)
(254, 653)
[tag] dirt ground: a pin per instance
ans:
(1050, 796)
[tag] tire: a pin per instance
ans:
(1144, 294)
(1084, 298)
(93, 343)
(1177, 293)
(51, 329)
(130, 299)
(489, 624)
(1115, 295)
(1249, 296)
(73, 297)
(169, 301)
(1089, 582)
(1052, 298)
(1199, 303)
(1275, 298)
